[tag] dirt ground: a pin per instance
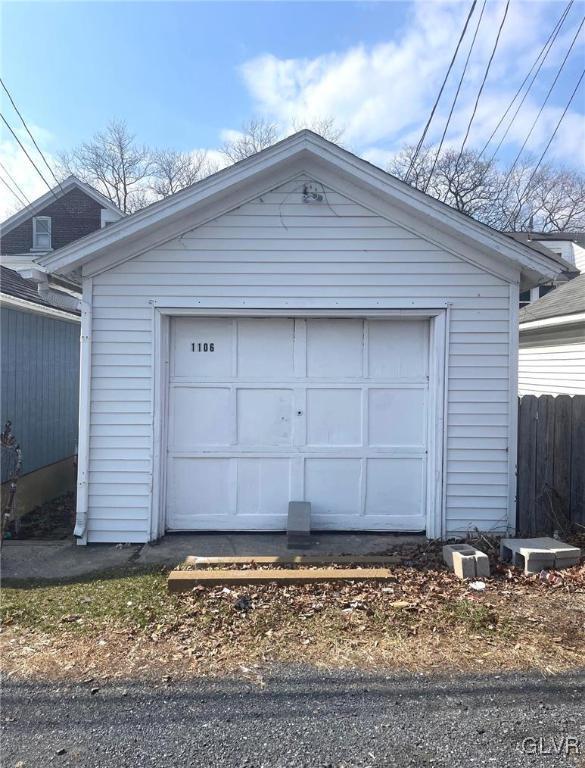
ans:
(120, 625)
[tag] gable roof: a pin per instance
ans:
(56, 192)
(13, 284)
(567, 299)
(303, 151)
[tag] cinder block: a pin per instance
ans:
(535, 555)
(466, 561)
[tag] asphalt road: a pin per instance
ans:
(299, 717)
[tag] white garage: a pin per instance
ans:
(299, 326)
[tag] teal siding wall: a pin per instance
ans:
(39, 358)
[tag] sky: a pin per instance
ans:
(186, 75)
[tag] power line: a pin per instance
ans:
(546, 98)
(23, 121)
(21, 145)
(12, 192)
(455, 98)
(13, 180)
(550, 141)
(435, 105)
(544, 50)
(481, 87)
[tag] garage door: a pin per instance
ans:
(263, 411)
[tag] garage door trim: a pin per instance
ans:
(438, 357)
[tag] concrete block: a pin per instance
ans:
(466, 561)
(535, 555)
(299, 525)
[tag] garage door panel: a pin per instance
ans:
(264, 417)
(334, 417)
(264, 486)
(395, 487)
(396, 417)
(193, 356)
(333, 486)
(266, 348)
(198, 488)
(334, 348)
(397, 349)
(200, 416)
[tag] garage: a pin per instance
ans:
(263, 411)
(300, 326)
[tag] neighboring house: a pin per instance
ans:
(552, 343)
(40, 320)
(66, 213)
(300, 325)
(39, 346)
(570, 246)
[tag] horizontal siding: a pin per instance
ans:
(40, 385)
(551, 361)
(278, 247)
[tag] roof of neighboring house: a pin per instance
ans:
(13, 284)
(41, 202)
(567, 299)
(175, 214)
(531, 240)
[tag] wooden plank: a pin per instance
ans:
(577, 513)
(526, 465)
(562, 452)
(184, 581)
(544, 464)
(207, 562)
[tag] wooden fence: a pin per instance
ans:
(551, 464)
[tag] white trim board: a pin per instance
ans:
(435, 524)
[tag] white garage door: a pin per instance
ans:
(263, 411)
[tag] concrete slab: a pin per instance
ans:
(65, 559)
(174, 548)
(61, 559)
(534, 555)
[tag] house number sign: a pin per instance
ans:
(202, 346)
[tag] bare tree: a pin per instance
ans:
(324, 126)
(515, 199)
(256, 135)
(172, 170)
(114, 164)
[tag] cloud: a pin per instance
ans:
(382, 94)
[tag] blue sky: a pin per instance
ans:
(185, 75)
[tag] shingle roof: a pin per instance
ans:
(531, 240)
(567, 299)
(13, 284)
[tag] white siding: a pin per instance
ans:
(279, 247)
(552, 361)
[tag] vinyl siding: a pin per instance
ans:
(552, 361)
(277, 247)
(40, 385)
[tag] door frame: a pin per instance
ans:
(438, 316)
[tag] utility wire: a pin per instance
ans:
(544, 51)
(435, 105)
(481, 87)
(546, 98)
(13, 180)
(12, 192)
(21, 145)
(430, 176)
(23, 121)
(545, 150)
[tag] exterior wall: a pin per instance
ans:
(73, 216)
(569, 250)
(552, 361)
(277, 247)
(40, 385)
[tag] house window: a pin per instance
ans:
(41, 233)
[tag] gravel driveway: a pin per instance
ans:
(297, 717)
